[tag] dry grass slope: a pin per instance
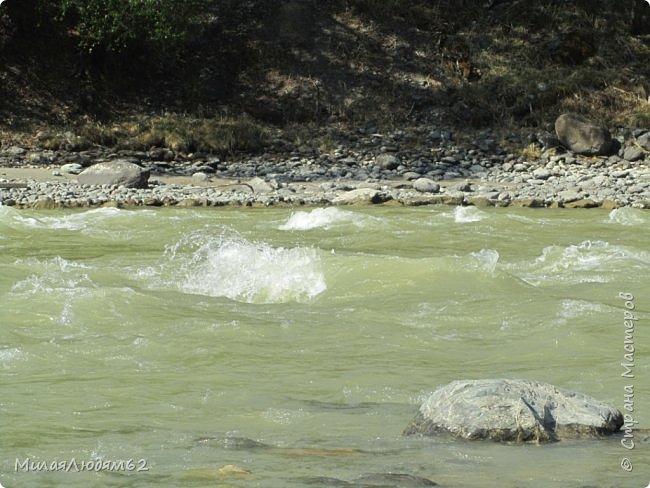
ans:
(385, 63)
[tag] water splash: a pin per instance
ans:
(325, 218)
(55, 275)
(227, 265)
(587, 262)
(463, 215)
(626, 216)
(57, 279)
(585, 256)
(484, 260)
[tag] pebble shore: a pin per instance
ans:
(362, 166)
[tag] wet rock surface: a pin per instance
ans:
(513, 411)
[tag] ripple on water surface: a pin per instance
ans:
(103, 223)
(74, 221)
(9, 355)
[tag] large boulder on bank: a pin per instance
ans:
(513, 411)
(582, 136)
(426, 185)
(118, 172)
(644, 141)
(387, 161)
(360, 196)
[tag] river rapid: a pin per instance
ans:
(279, 347)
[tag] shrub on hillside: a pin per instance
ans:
(115, 24)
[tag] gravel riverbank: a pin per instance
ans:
(360, 167)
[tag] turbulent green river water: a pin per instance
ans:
(298, 344)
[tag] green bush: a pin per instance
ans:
(115, 24)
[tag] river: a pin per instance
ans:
(297, 344)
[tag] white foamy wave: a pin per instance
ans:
(485, 260)
(587, 255)
(626, 216)
(587, 262)
(8, 216)
(468, 214)
(57, 263)
(231, 266)
(76, 221)
(7, 211)
(322, 218)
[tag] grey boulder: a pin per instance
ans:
(633, 153)
(200, 177)
(72, 168)
(582, 136)
(118, 172)
(426, 185)
(259, 185)
(644, 141)
(387, 161)
(359, 196)
(513, 411)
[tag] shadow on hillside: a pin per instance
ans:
(474, 62)
(386, 62)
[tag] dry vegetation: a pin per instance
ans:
(179, 133)
(385, 63)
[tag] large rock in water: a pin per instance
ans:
(118, 172)
(582, 136)
(514, 411)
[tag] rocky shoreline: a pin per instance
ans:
(414, 167)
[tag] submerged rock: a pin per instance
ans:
(118, 172)
(384, 480)
(232, 442)
(397, 480)
(231, 469)
(324, 481)
(583, 136)
(514, 411)
(211, 474)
